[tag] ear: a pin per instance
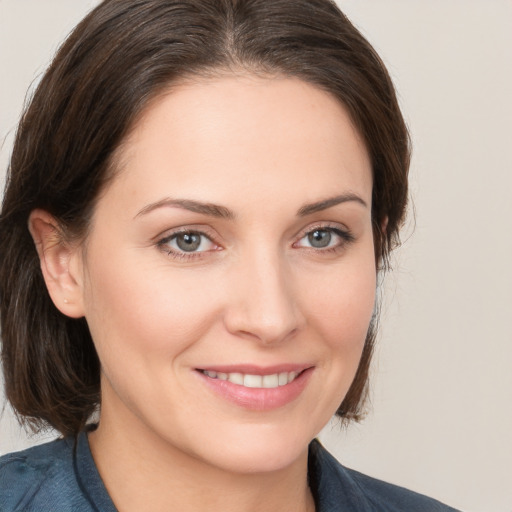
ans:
(60, 263)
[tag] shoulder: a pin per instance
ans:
(394, 497)
(40, 477)
(338, 486)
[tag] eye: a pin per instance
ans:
(325, 238)
(187, 242)
(319, 238)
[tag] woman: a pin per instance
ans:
(200, 197)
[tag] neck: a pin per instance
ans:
(139, 469)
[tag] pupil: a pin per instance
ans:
(188, 241)
(320, 238)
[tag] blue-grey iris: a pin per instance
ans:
(319, 238)
(188, 241)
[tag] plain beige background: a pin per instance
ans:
(441, 413)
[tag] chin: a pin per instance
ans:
(259, 450)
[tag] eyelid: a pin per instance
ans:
(163, 240)
(186, 228)
(338, 229)
(327, 226)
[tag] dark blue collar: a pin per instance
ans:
(88, 477)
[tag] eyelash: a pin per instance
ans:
(345, 236)
(163, 244)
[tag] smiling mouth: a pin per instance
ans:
(248, 380)
(257, 388)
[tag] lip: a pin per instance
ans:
(257, 399)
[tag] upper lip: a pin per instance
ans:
(252, 369)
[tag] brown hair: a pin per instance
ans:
(123, 54)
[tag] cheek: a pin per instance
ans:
(342, 303)
(140, 306)
(340, 306)
(343, 309)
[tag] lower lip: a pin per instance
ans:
(258, 399)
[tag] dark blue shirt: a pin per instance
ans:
(61, 476)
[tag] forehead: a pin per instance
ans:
(249, 133)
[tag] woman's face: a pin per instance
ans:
(229, 274)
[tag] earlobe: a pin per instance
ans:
(58, 263)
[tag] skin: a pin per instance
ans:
(256, 291)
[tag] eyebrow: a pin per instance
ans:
(319, 206)
(215, 210)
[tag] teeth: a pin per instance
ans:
(254, 381)
(270, 381)
(236, 378)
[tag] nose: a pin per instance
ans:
(263, 305)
